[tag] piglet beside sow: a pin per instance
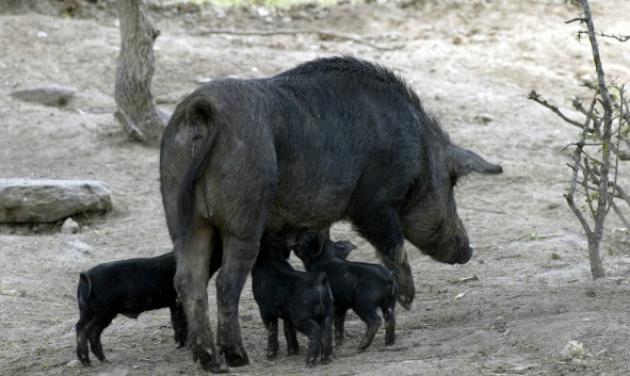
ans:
(128, 287)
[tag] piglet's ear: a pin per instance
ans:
(463, 161)
(343, 249)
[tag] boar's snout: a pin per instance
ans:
(464, 255)
(459, 252)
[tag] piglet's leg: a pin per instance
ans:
(83, 353)
(314, 333)
(373, 322)
(271, 323)
(327, 338)
(180, 326)
(293, 347)
(389, 316)
(340, 319)
(94, 334)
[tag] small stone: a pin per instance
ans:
(457, 40)
(246, 317)
(484, 118)
(70, 226)
(80, 247)
(51, 95)
(72, 363)
(263, 12)
(575, 350)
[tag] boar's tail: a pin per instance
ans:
(200, 112)
(84, 291)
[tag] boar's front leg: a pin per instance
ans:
(382, 228)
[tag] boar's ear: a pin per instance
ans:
(343, 249)
(462, 161)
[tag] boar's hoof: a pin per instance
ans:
(406, 287)
(311, 360)
(235, 356)
(208, 363)
(293, 350)
(271, 354)
(405, 301)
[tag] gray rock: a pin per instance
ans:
(33, 201)
(52, 95)
(70, 226)
(484, 118)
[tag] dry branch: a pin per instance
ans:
(533, 95)
(598, 153)
(321, 34)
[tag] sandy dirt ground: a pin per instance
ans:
(471, 62)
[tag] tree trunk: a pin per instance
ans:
(597, 270)
(136, 111)
(604, 168)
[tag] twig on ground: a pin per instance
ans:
(483, 209)
(323, 34)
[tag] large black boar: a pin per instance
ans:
(335, 138)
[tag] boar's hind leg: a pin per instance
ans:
(381, 227)
(238, 259)
(94, 334)
(191, 282)
(293, 347)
